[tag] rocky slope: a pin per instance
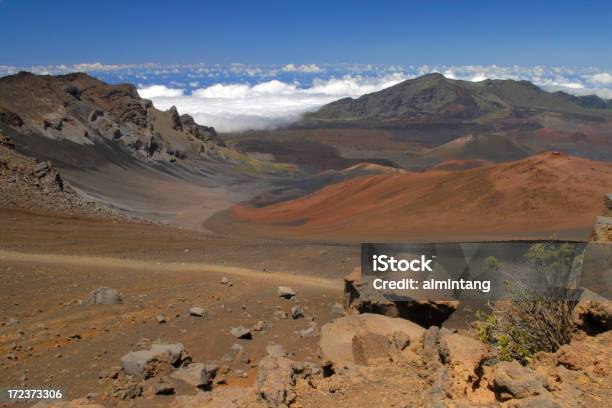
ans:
(116, 148)
(28, 184)
(587, 101)
(372, 360)
(84, 110)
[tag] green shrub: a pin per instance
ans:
(539, 315)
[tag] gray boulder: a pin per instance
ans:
(159, 359)
(511, 378)
(197, 311)
(104, 296)
(286, 292)
(162, 387)
(276, 381)
(197, 374)
(241, 332)
(358, 339)
(297, 312)
(310, 331)
(280, 315)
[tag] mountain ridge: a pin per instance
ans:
(433, 97)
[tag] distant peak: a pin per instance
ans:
(434, 75)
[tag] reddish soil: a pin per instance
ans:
(455, 165)
(49, 262)
(543, 195)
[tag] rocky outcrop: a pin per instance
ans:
(512, 380)
(104, 296)
(26, 183)
(159, 360)
(276, 380)
(10, 118)
(366, 339)
(593, 317)
(203, 133)
(198, 375)
(85, 110)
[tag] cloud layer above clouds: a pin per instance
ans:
(238, 97)
(238, 107)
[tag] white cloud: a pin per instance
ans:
(569, 85)
(602, 78)
(240, 96)
(238, 107)
(307, 69)
(479, 78)
(159, 91)
(233, 106)
(97, 66)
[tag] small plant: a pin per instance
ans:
(509, 342)
(539, 315)
(492, 264)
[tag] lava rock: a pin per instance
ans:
(197, 311)
(241, 332)
(104, 296)
(286, 292)
(297, 312)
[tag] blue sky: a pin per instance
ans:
(552, 33)
(240, 65)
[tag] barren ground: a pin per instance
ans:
(47, 263)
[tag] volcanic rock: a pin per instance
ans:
(358, 338)
(286, 292)
(159, 359)
(196, 374)
(104, 296)
(297, 312)
(517, 381)
(197, 311)
(241, 332)
(276, 380)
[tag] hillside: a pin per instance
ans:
(491, 147)
(433, 97)
(114, 147)
(85, 110)
(535, 197)
(27, 184)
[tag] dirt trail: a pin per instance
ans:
(49, 264)
(79, 260)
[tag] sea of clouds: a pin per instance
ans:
(240, 97)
